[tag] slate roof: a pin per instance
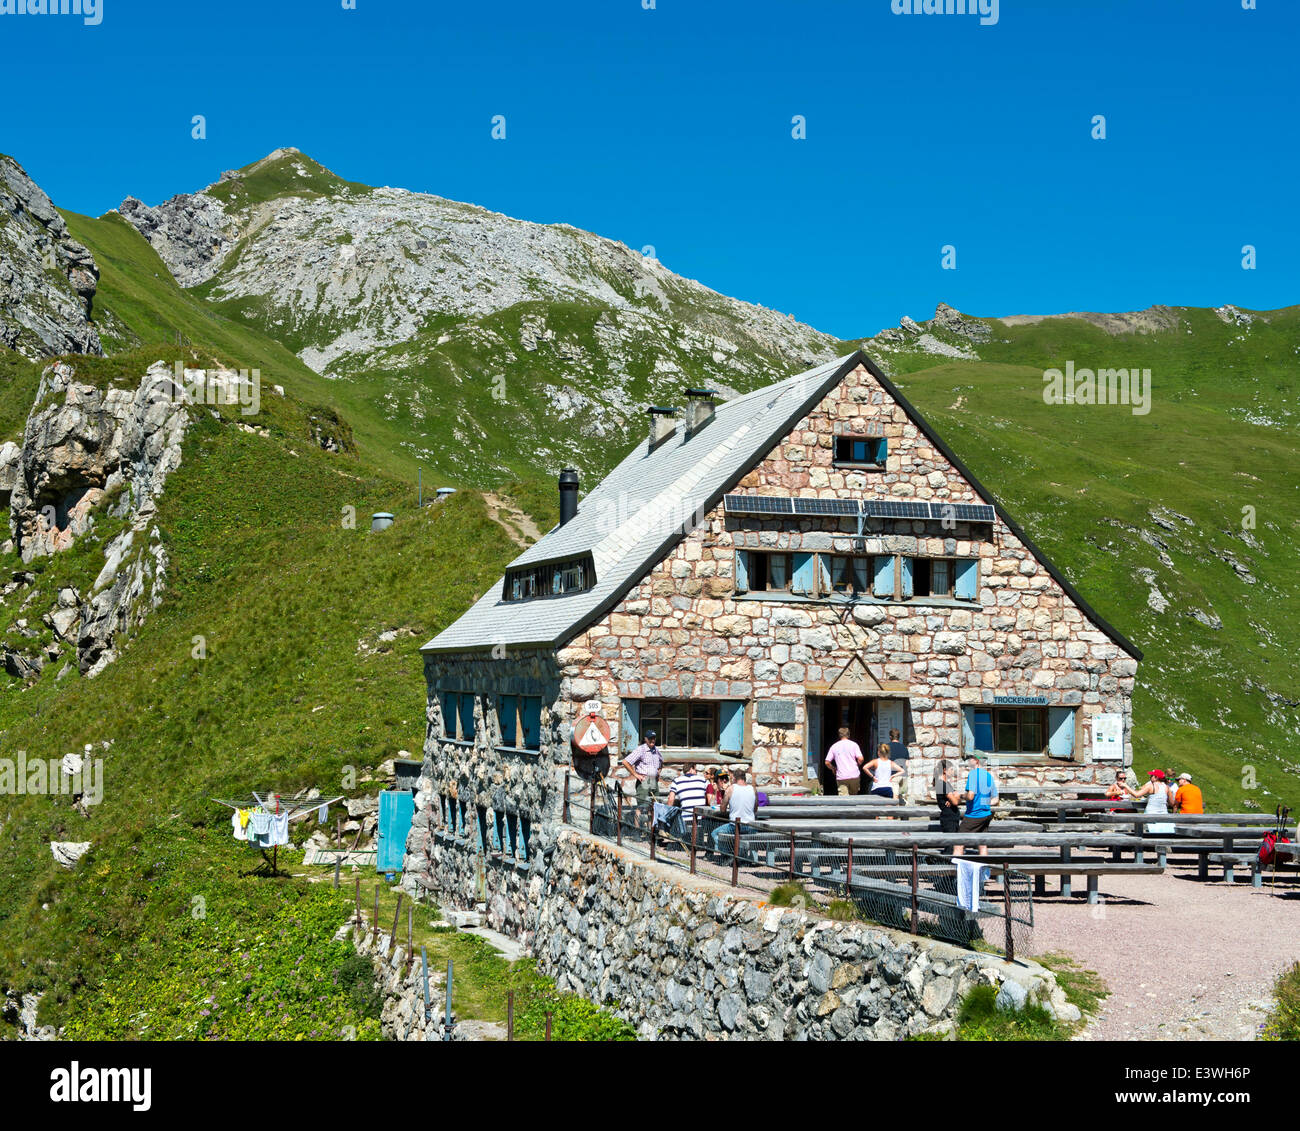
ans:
(638, 512)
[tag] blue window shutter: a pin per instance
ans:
(814, 739)
(525, 834)
(506, 710)
(824, 574)
(804, 575)
(631, 735)
(984, 730)
(967, 729)
(449, 707)
(530, 712)
(907, 577)
(1060, 726)
(884, 583)
(967, 579)
(467, 716)
(731, 727)
(742, 571)
(881, 450)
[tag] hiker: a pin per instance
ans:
(845, 758)
(898, 753)
(644, 764)
(947, 795)
(980, 794)
(1188, 798)
(883, 770)
(1157, 794)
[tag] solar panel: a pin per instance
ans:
(827, 506)
(893, 508)
(758, 504)
(962, 512)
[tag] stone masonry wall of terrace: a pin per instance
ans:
(682, 958)
(683, 631)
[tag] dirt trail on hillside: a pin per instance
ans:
(520, 526)
(1184, 959)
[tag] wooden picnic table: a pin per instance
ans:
(1086, 806)
(1253, 820)
(852, 827)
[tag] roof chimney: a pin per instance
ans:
(663, 424)
(699, 409)
(568, 494)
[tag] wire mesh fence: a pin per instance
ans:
(944, 897)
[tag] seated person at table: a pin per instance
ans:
(1187, 798)
(882, 769)
(1157, 797)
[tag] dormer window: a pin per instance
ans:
(553, 579)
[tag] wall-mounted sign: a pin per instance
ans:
(1108, 737)
(1020, 700)
(775, 712)
(591, 734)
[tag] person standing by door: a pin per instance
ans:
(845, 758)
(898, 753)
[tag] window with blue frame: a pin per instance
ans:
(1007, 730)
(865, 451)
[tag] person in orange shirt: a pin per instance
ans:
(1188, 799)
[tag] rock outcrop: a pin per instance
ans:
(47, 279)
(190, 233)
(90, 455)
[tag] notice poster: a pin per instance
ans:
(889, 716)
(1108, 738)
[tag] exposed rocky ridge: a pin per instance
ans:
(47, 279)
(358, 271)
(90, 456)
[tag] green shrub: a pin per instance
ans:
(1283, 1023)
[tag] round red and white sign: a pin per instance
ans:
(591, 734)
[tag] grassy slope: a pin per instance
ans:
(1083, 480)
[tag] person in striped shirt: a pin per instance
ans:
(689, 790)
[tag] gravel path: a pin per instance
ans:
(1183, 959)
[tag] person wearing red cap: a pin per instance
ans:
(1157, 794)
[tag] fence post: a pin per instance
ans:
(618, 816)
(446, 1022)
(510, 1015)
(735, 854)
(338, 869)
(1006, 913)
(566, 796)
(397, 912)
(358, 901)
(374, 919)
(652, 835)
(792, 854)
(848, 875)
(695, 830)
(916, 926)
(410, 933)
(548, 1026)
(591, 809)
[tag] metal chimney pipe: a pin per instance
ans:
(568, 494)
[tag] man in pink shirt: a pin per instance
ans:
(845, 758)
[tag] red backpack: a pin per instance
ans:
(1267, 853)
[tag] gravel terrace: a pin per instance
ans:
(1184, 960)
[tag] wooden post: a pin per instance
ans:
(695, 836)
(735, 855)
(548, 1026)
(591, 810)
(358, 901)
(338, 831)
(916, 926)
(510, 1015)
(618, 819)
(374, 919)
(410, 933)
(848, 873)
(397, 911)
(1006, 913)
(338, 868)
(652, 837)
(565, 818)
(792, 854)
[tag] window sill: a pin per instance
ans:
(849, 465)
(517, 750)
(779, 597)
(465, 743)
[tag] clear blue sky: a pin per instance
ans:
(672, 127)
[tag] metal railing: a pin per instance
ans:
(900, 887)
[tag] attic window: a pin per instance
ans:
(553, 579)
(861, 451)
